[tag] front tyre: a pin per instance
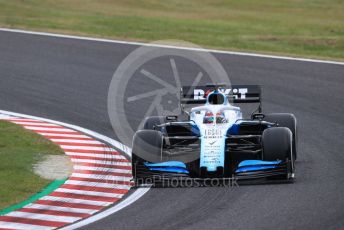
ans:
(287, 120)
(147, 146)
(277, 143)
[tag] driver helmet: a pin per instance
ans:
(216, 98)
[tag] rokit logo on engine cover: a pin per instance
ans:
(238, 93)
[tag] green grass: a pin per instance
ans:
(20, 149)
(311, 28)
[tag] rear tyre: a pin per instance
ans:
(285, 120)
(277, 145)
(153, 121)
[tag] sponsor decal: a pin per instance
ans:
(213, 133)
(238, 93)
(212, 148)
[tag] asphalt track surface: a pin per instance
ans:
(68, 80)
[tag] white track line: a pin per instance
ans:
(97, 184)
(62, 209)
(101, 156)
(105, 149)
(75, 141)
(38, 129)
(12, 225)
(30, 215)
(63, 135)
(100, 162)
(42, 126)
(99, 176)
(32, 123)
(91, 193)
(171, 46)
(81, 167)
(76, 201)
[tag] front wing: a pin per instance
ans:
(174, 173)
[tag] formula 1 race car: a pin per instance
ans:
(214, 140)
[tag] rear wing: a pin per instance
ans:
(235, 94)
